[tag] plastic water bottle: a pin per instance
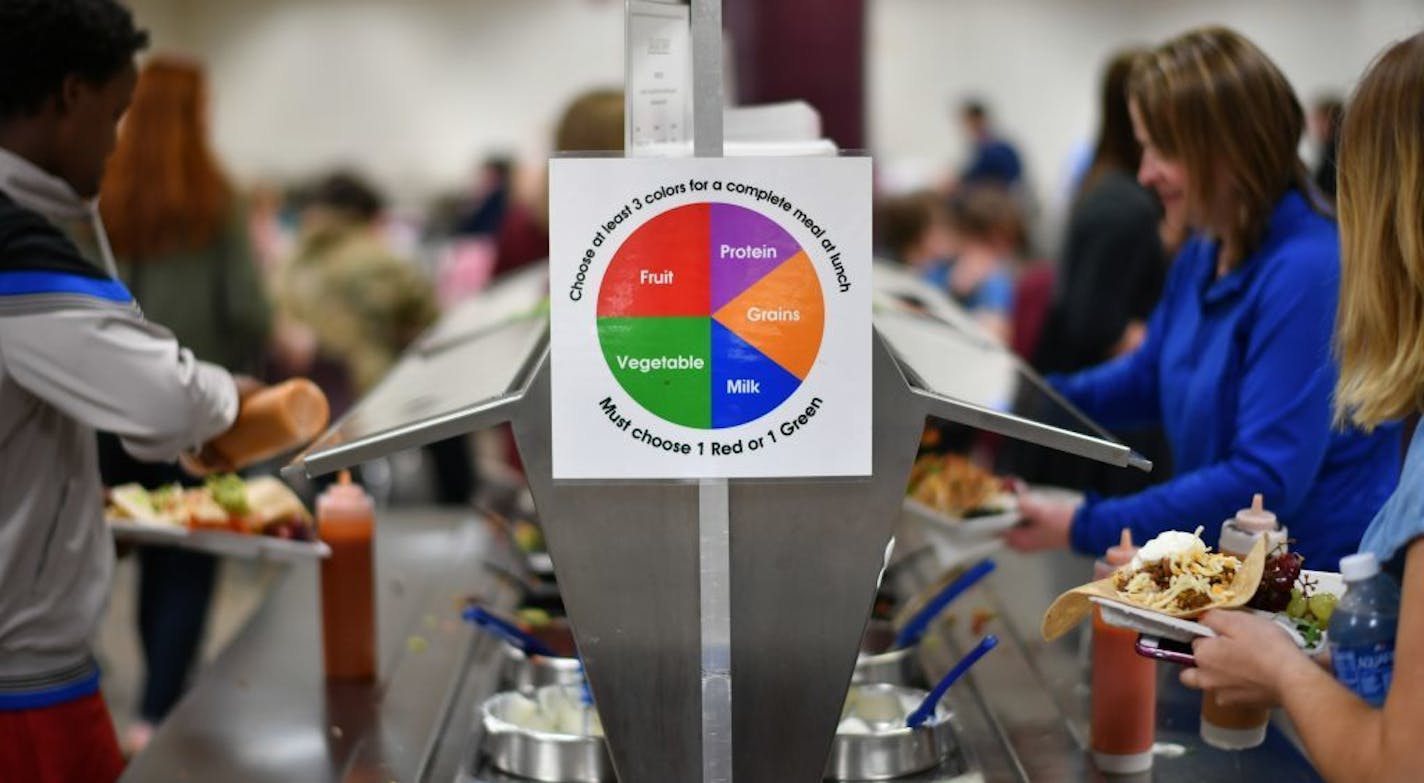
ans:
(1362, 629)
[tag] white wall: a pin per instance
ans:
(413, 91)
(1037, 63)
(416, 90)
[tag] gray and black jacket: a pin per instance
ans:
(76, 356)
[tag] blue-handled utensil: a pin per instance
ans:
(915, 629)
(926, 709)
(507, 631)
(585, 693)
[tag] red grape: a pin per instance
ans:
(1281, 571)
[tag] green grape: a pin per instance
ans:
(230, 492)
(1322, 605)
(1297, 606)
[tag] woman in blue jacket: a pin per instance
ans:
(1236, 366)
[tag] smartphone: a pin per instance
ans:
(1168, 650)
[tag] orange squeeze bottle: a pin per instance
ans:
(1124, 687)
(345, 521)
(272, 421)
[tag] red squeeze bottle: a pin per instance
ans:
(1124, 687)
(345, 521)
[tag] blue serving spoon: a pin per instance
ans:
(914, 630)
(507, 631)
(926, 709)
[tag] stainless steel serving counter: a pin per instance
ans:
(264, 712)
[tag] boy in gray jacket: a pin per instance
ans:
(75, 356)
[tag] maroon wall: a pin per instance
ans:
(813, 50)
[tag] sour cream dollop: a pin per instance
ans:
(1172, 542)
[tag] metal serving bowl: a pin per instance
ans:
(525, 673)
(878, 663)
(894, 751)
(541, 755)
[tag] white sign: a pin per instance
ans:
(710, 317)
(659, 76)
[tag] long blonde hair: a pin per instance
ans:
(1379, 328)
(1212, 100)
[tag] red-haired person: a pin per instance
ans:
(180, 236)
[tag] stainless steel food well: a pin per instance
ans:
(526, 673)
(878, 663)
(541, 755)
(895, 751)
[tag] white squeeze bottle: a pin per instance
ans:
(1362, 628)
(1239, 534)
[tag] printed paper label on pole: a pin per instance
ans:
(710, 317)
(658, 57)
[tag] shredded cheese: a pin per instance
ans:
(1190, 570)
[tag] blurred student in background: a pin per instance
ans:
(269, 226)
(344, 294)
(914, 230)
(992, 160)
(1110, 276)
(488, 200)
(347, 306)
(592, 122)
(179, 235)
(465, 228)
(988, 237)
(1236, 362)
(1112, 265)
(1111, 273)
(1324, 127)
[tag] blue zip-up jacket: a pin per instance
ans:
(1238, 372)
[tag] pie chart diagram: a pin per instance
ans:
(710, 315)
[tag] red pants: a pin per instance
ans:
(73, 742)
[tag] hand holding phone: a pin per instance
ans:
(1168, 650)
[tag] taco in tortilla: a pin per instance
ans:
(1177, 571)
(1174, 574)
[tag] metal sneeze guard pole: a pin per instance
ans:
(713, 517)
